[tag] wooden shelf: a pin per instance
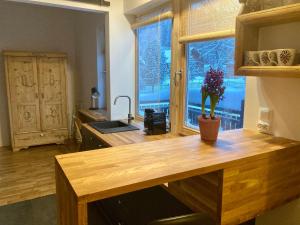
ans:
(247, 39)
(270, 71)
(278, 15)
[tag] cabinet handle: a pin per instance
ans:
(42, 135)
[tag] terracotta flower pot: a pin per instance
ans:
(209, 129)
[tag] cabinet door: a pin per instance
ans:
(23, 94)
(52, 85)
(90, 141)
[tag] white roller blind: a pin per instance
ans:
(161, 13)
(154, 13)
(207, 16)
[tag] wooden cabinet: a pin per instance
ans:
(36, 89)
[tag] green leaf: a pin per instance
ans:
(204, 97)
(214, 99)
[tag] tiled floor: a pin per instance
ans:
(40, 211)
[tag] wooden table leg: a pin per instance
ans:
(69, 210)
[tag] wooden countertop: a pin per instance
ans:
(96, 115)
(129, 137)
(98, 174)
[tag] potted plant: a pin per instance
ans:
(214, 89)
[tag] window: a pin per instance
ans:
(154, 66)
(201, 56)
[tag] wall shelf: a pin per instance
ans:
(270, 71)
(247, 39)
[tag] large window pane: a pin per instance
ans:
(154, 66)
(216, 54)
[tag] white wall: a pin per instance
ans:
(279, 94)
(282, 96)
(130, 5)
(39, 28)
(139, 6)
(121, 59)
(66, 4)
(29, 28)
(90, 46)
(101, 64)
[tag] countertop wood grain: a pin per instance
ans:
(129, 137)
(98, 174)
(95, 115)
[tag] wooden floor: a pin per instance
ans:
(28, 174)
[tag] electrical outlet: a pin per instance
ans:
(264, 124)
(264, 127)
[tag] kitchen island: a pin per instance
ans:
(249, 173)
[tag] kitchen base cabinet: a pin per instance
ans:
(97, 216)
(140, 207)
(90, 141)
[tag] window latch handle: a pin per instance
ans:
(177, 74)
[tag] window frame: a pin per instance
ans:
(179, 40)
(137, 115)
(212, 36)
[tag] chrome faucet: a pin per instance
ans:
(130, 117)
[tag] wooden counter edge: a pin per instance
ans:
(286, 149)
(79, 204)
(102, 114)
(90, 197)
(70, 209)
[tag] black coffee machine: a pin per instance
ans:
(155, 122)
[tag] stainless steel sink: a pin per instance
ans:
(108, 127)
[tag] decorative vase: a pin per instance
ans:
(209, 129)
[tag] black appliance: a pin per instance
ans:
(155, 122)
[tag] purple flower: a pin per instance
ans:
(213, 84)
(214, 89)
